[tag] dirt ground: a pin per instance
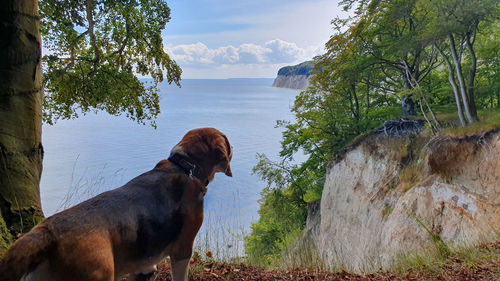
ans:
(454, 270)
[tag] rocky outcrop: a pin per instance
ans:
(385, 197)
(294, 77)
(296, 82)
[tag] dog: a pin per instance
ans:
(128, 230)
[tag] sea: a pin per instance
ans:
(97, 152)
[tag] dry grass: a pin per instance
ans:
(410, 175)
(83, 187)
(408, 151)
(432, 261)
(300, 252)
(222, 234)
(488, 120)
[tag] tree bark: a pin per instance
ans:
(472, 76)
(21, 150)
(460, 78)
(498, 98)
(453, 84)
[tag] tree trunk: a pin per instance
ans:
(472, 77)
(498, 98)
(453, 84)
(460, 78)
(407, 103)
(21, 150)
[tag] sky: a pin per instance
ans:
(246, 39)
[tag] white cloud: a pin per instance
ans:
(284, 51)
(252, 53)
(272, 52)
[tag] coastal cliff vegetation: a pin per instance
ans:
(442, 55)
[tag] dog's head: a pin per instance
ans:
(209, 149)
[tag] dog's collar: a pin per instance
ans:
(187, 166)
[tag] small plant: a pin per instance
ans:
(387, 210)
(410, 175)
(441, 247)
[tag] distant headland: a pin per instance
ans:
(294, 77)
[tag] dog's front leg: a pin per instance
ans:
(180, 269)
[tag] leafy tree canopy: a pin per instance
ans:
(98, 49)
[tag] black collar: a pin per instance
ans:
(187, 166)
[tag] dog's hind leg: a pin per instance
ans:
(180, 269)
(85, 257)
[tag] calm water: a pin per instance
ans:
(95, 153)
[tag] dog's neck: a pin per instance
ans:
(189, 167)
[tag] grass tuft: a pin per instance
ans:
(488, 120)
(433, 261)
(410, 175)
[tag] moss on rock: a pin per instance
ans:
(5, 237)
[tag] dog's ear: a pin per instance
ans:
(225, 152)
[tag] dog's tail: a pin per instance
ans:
(26, 253)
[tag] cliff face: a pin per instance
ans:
(297, 82)
(381, 196)
(294, 77)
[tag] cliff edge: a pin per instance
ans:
(294, 77)
(391, 197)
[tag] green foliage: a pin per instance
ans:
(97, 51)
(453, 29)
(489, 71)
(282, 211)
(279, 218)
(304, 68)
(5, 237)
(387, 50)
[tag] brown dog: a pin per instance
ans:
(130, 229)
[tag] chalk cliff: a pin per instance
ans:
(294, 77)
(385, 197)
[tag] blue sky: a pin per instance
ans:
(240, 38)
